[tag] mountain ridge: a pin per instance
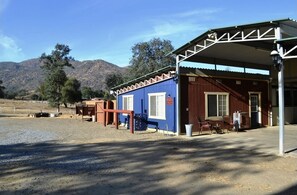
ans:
(28, 75)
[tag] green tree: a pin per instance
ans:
(21, 94)
(89, 93)
(71, 91)
(113, 80)
(54, 83)
(41, 92)
(35, 97)
(150, 56)
(2, 88)
(108, 96)
(53, 67)
(10, 94)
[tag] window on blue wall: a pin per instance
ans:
(157, 105)
(217, 104)
(127, 102)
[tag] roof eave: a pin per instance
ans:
(183, 47)
(286, 40)
(149, 75)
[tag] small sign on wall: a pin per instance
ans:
(169, 100)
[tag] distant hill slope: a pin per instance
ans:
(27, 75)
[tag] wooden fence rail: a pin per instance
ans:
(129, 112)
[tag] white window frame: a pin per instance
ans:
(206, 104)
(162, 115)
(127, 106)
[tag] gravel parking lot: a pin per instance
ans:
(58, 156)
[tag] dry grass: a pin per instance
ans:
(25, 107)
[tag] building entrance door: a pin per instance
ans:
(255, 110)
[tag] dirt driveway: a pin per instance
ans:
(58, 156)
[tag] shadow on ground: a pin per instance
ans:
(168, 166)
(289, 191)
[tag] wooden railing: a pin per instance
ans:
(129, 112)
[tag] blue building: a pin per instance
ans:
(152, 97)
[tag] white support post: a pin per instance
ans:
(177, 72)
(281, 104)
(281, 109)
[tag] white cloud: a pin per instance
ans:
(169, 30)
(9, 50)
(178, 24)
(177, 27)
(200, 12)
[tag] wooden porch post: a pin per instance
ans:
(104, 118)
(116, 120)
(132, 122)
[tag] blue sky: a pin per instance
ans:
(108, 29)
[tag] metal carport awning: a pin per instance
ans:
(247, 46)
(250, 44)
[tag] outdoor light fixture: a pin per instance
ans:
(212, 35)
(277, 60)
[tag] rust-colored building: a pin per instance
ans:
(212, 95)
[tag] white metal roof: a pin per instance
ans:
(242, 45)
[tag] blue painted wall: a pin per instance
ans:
(140, 104)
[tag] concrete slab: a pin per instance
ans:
(263, 139)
